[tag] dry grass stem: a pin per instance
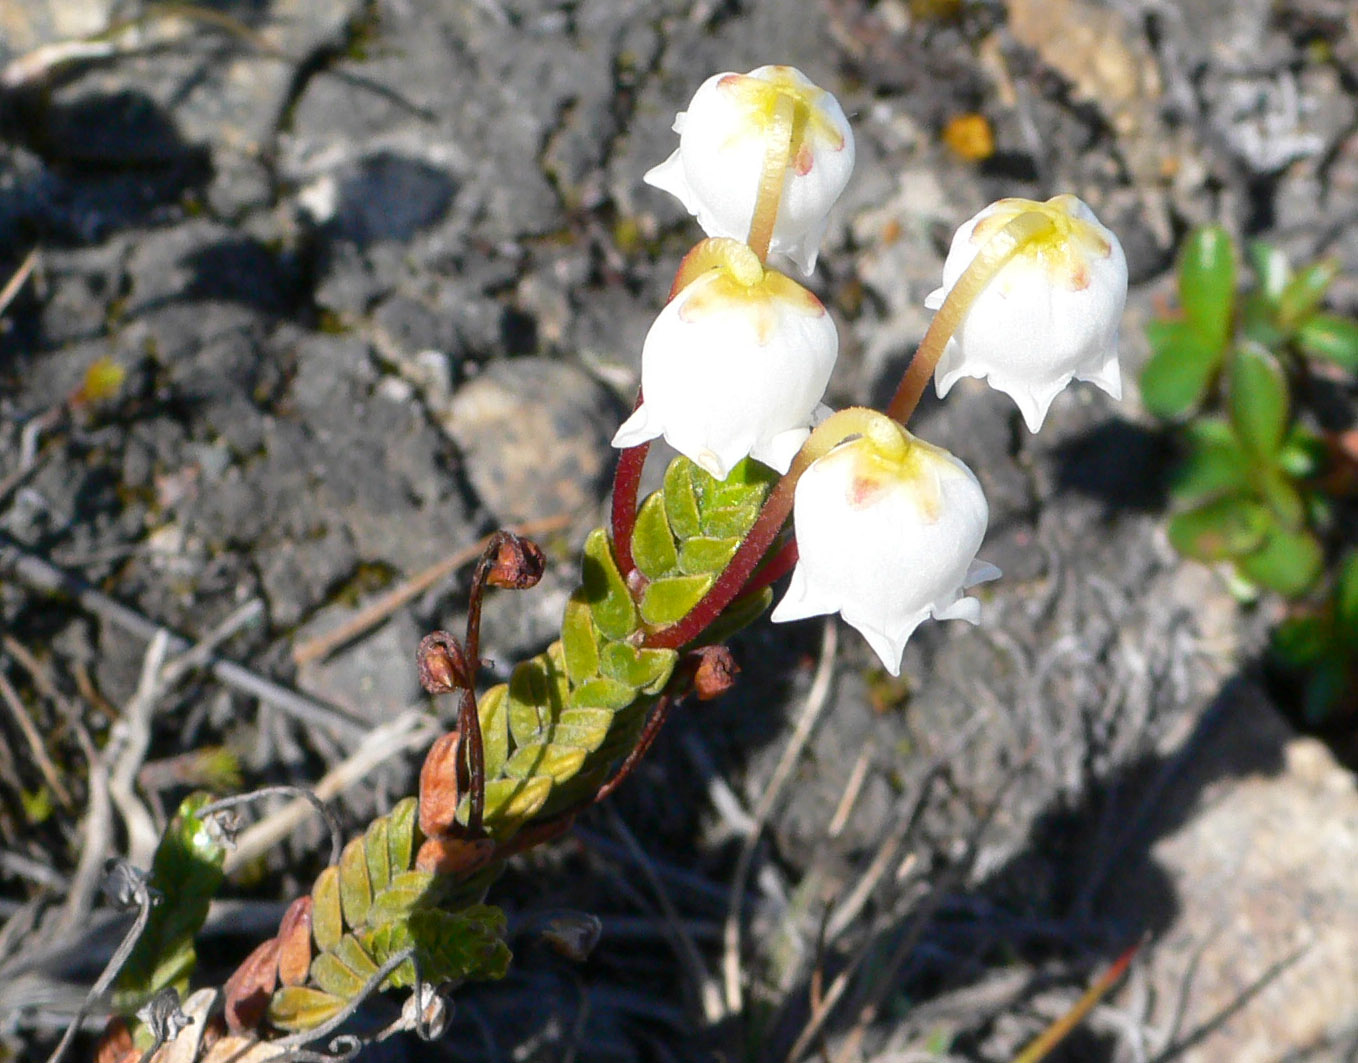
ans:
(17, 279)
(852, 788)
(127, 749)
(371, 615)
(411, 730)
(40, 575)
(816, 700)
(687, 950)
(19, 711)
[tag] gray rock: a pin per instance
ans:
(1256, 830)
(374, 677)
(534, 435)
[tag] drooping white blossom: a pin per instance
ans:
(731, 369)
(887, 537)
(1050, 314)
(715, 171)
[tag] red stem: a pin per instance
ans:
(734, 576)
(774, 569)
(626, 488)
(653, 724)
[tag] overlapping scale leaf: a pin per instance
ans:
(566, 715)
(373, 887)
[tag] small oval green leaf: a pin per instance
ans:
(355, 889)
(401, 834)
(1332, 338)
(297, 1008)
(377, 856)
(1207, 283)
(1258, 400)
(1180, 370)
(579, 643)
(668, 601)
(1287, 562)
(702, 554)
(1305, 292)
(1282, 498)
(604, 589)
(1227, 528)
(681, 498)
(327, 915)
(1272, 271)
(1214, 463)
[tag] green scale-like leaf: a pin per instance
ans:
(372, 889)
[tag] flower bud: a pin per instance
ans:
(735, 365)
(1050, 314)
(716, 170)
(887, 532)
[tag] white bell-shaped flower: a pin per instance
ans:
(887, 531)
(715, 172)
(1050, 314)
(735, 365)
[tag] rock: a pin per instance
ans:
(373, 677)
(1258, 835)
(534, 434)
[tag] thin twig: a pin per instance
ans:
(127, 753)
(373, 614)
(331, 821)
(115, 964)
(96, 840)
(816, 700)
(40, 575)
(201, 653)
(852, 788)
(412, 729)
(688, 951)
(17, 279)
(11, 698)
(306, 1037)
(46, 685)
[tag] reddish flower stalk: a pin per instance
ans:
(734, 577)
(639, 751)
(493, 561)
(626, 489)
(771, 571)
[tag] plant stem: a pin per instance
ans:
(989, 260)
(1054, 1034)
(854, 421)
(772, 570)
(653, 724)
(737, 571)
(777, 155)
(626, 491)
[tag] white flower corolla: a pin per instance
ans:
(887, 531)
(716, 170)
(735, 365)
(1049, 315)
